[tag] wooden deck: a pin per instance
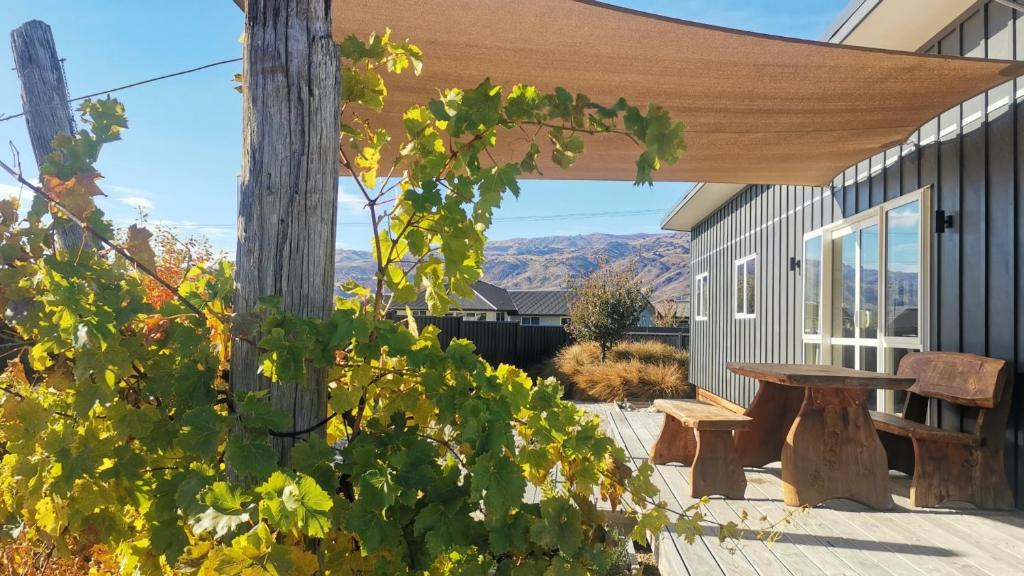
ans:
(838, 537)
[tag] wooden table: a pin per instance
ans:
(815, 420)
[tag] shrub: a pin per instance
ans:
(651, 352)
(605, 304)
(633, 370)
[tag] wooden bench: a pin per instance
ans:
(700, 435)
(951, 465)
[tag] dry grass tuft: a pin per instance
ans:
(632, 371)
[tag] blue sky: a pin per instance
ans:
(181, 155)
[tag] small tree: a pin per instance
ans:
(605, 304)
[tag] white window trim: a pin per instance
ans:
(816, 337)
(701, 301)
(735, 278)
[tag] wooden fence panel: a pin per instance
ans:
(537, 343)
(513, 343)
(495, 341)
(451, 327)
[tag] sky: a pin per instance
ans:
(180, 158)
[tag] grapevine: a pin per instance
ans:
(123, 446)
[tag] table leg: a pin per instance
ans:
(773, 410)
(833, 451)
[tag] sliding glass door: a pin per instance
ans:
(854, 281)
(865, 289)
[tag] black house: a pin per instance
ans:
(917, 248)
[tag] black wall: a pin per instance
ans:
(976, 173)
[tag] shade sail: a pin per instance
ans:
(758, 108)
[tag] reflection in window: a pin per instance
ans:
(868, 309)
(903, 270)
(746, 280)
(749, 284)
(812, 353)
(844, 276)
(700, 302)
(812, 285)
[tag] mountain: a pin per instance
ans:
(662, 260)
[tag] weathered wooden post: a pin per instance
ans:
(44, 98)
(287, 204)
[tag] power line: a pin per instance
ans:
(4, 118)
(531, 218)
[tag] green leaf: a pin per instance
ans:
(297, 505)
(256, 413)
(250, 457)
(560, 526)
(201, 431)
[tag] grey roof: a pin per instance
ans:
(541, 302)
(486, 297)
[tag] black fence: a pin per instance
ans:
(501, 342)
(678, 336)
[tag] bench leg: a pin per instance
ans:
(676, 443)
(945, 472)
(716, 469)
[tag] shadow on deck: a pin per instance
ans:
(838, 537)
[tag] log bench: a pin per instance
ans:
(700, 435)
(951, 465)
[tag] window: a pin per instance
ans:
(903, 271)
(565, 320)
(500, 316)
(745, 279)
(811, 267)
(530, 320)
(865, 289)
(700, 297)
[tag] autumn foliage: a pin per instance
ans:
(123, 443)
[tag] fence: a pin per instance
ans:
(513, 343)
(678, 336)
(501, 342)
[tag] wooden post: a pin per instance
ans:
(287, 204)
(44, 98)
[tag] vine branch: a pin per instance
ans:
(103, 239)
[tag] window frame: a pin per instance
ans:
(700, 288)
(815, 337)
(887, 345)
(736, 309)
(534, 320)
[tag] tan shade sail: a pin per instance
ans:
(758, 109)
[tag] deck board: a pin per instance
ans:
(839, 537)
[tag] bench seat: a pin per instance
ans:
(910, 429)
(952, 466)
(700, 415)
(700, 435)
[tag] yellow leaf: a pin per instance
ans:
(138, 246)
(75, 195)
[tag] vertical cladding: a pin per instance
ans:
(972, 158)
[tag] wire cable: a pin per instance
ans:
(4, 118)
(531, 218)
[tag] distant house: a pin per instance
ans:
(541, 307)
(489, 302)
(527, 307)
